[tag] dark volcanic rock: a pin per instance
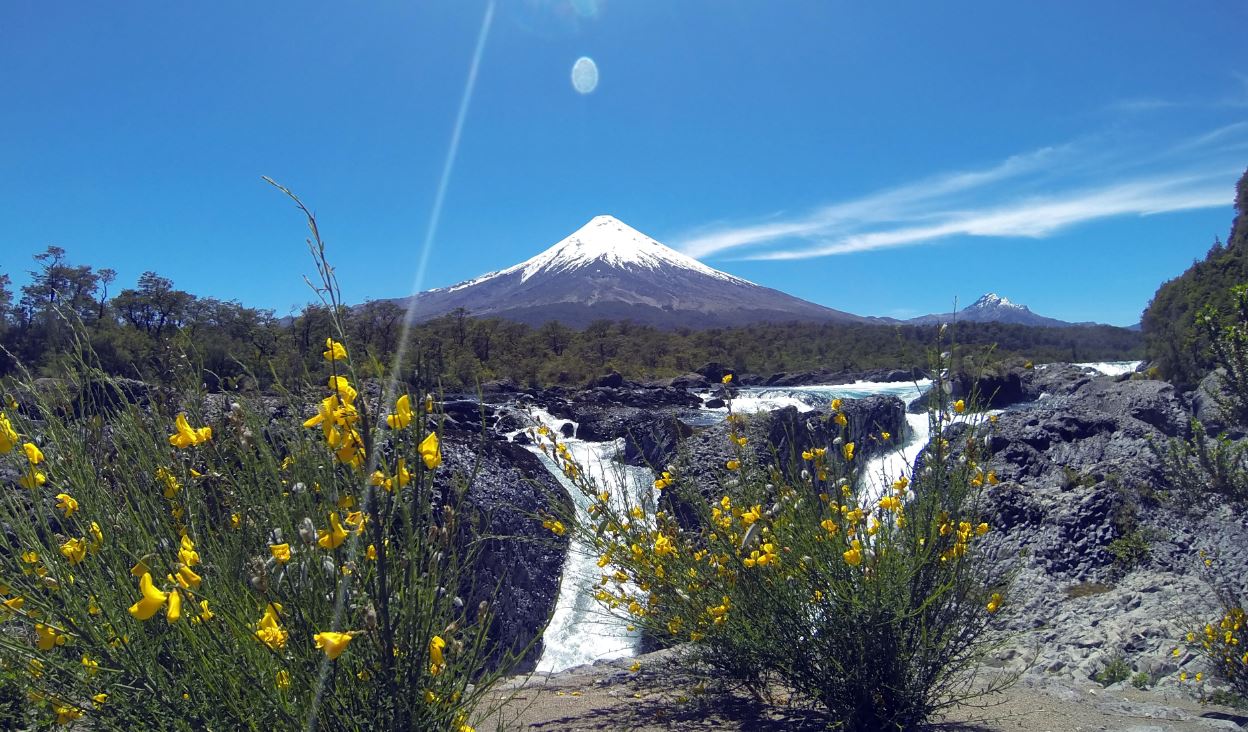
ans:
(1081, 484)
(991, 390)
(650, 438)
(713, 371)
(508, 489)
(612, 380)
(778, 438)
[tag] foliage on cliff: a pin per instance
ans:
(1173, 340)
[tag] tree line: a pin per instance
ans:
(158, 333)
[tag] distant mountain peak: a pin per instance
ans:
(993, 300)
(606, 240)
(606, 269)
(993, 308)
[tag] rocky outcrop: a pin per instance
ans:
(778, 438)
(1105, 563)
(518, 570)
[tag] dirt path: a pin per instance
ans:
(608, 696)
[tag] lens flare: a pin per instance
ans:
(584, 75)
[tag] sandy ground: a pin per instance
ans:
(608, 696)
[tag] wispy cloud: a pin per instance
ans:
(1032, 195)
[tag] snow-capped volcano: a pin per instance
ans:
(608, 270)
(993, 308)
(607, 241)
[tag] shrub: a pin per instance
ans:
(1116, 670)
(1141, 680)
(160, 572)
(873, 607)
(1203, 467)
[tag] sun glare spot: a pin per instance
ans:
(584, 75)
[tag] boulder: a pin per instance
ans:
(651, 438)
(613, 380)
(778, 438)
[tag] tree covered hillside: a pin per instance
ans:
(1174, 343)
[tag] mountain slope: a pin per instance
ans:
(609, 270)
(992, 308)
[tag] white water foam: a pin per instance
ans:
(1113, 368)
(581, 631)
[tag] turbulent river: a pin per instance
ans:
(581, 631)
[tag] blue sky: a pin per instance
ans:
(880, 160)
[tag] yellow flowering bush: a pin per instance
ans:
(873, 607)
(160, 572)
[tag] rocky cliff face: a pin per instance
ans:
(1107, 563)
(518, 572)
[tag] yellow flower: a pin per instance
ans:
(959, 406)
(171, 483)
(635, 667)
(332, 643)
(204, 613)
(8, 436)
(727, 379)
(343, 389)
(65, 714)
(733, 464)
(994, 602)
(100, 699)
(151, 602)
(186, 552)
(848, 450)
(836, 405)
(174, 613)
(371, 552)
(33, 454)
(32, 479)
(74, 550)
(186, 436)
(840, 419)
(402, 416)
(268, 631)
(334, 351)
(281, 552)
(14, 603)
(403, 476)
(332, 537)
(982, 529)
(437, 662)
(890, 503)
(47, 637)
(555, 527)
(187, 578)
(664, 481)
(283, 679)
(886, 436)
(853, 557)
(236, 520)
(66, 503)
(429, 451)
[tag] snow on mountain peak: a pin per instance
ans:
(992, 299)
(609, 241)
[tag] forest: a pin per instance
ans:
(157, 333)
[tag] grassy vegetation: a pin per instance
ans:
(159, 573)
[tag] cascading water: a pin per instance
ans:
(581, 631)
